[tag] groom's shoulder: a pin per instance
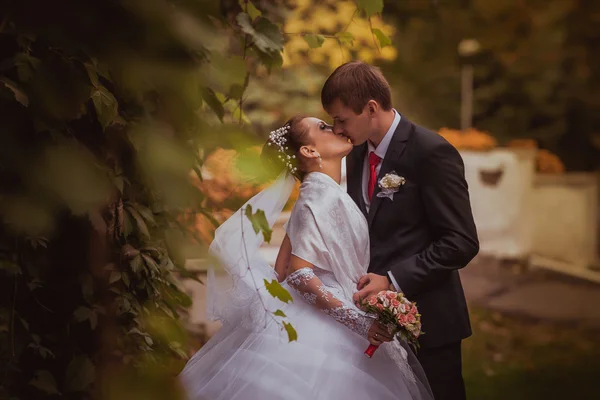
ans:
(428, 139)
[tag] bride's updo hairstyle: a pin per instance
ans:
(282, 149)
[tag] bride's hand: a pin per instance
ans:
(378, 335)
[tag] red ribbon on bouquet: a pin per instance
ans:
(371, 350)
(394, 310)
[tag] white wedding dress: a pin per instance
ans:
(250, 357)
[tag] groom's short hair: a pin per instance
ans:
(354, 84)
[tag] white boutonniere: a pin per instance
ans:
(390, 184)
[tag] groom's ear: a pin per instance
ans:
(372, 108)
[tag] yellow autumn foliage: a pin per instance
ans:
(546, 161)
(471, 139)
(226, 188)
(329, 17)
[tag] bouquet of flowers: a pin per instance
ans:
(395, 311)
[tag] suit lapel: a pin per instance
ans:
(354, 169)
(394, 152)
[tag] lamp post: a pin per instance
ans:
(467, 48)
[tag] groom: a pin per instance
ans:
(421, 226)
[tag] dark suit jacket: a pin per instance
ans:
(426, 233)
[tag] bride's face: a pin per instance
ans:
(329, 145)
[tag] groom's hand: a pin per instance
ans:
(370, 285)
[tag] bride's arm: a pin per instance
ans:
(304, 281)
(283, 259)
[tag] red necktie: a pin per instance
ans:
(374, 160)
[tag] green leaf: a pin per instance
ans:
(79, 375)
(123, 305)
(83, 313)
(252, 11)
(38, 242)
(10, 267)
(92, 73)
(125, 278)
(25, 323)
(107, 108)
(259, 223)
(34, 284)
(114, 277)
(223, 72)
(265, 34)
(381, 38)
(44, 381)
(213, 102)
(279, 313)
(26, 66)
(151, 265)
(278, 291)
(141, 225)
(370, 7)
(272, 59)
(146, 213)
(210, 217)
(148, 340)
(43, 352)
(346, 38)
(292, 334)
(236, 116)
(136, 264)
(314, 41)
(20, 96)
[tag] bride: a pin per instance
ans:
(322, 257)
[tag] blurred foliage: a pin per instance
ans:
(110, 109)
(475, 140)
(101, 130)
(536, 73)
(332, 32)
(546, 161)
(319, 36)
(471, 139)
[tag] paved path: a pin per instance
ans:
(535, 294)
(488, 283)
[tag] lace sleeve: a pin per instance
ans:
(312, 289)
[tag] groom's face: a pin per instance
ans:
(346, 122)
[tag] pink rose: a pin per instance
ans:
(413, 309)
(380, 307)
(402, 319)
(411, 318)
(372, 301)
(390, 295)
(395, 303)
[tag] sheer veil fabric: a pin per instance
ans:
(250, 357)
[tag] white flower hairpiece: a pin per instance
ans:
(278, 138)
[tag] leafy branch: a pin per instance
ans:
(260, 224)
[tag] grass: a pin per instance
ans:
(517, 359)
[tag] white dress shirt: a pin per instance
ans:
(380, 150)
